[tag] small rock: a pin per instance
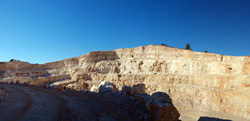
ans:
(94, 89)
(126, 90)
(139, 88)
(105, 86)
(83, 90)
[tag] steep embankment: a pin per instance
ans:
(195, 81)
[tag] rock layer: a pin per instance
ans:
(194, 80)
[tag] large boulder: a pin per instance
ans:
(160, 108)
(162, 97)
(159, 105)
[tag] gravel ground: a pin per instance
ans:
(31, 103)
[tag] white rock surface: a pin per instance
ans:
(105, 86)
(94, 89)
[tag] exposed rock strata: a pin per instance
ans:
(194, 80)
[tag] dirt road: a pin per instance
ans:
(30, 103)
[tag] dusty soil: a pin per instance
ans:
(31, 103)
(192, 115)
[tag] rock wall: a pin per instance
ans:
(194, 80)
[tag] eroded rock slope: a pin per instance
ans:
(194, 80)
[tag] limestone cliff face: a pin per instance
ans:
(194, 80)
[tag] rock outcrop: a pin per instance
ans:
(137, 89)
(194, 80)
(159, 105)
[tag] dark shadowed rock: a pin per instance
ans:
(144, 98)
(162, 97)
(126, 90)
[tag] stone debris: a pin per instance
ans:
(139, 88)
(159, 105)
(105, 86)
(94, 89)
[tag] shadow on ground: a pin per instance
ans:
(212, 119)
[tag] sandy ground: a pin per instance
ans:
(30, 103)
(192, 115)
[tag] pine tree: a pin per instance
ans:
(188, 47)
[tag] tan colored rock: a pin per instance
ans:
(161, 110)
(198, 81)
(138, 89)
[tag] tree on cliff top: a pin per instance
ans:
(164, 44)
(188, 47)
(12, 60)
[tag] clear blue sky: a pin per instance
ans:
(40, 31)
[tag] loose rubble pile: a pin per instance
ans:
(159, 105)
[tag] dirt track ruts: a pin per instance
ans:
(31, 103)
